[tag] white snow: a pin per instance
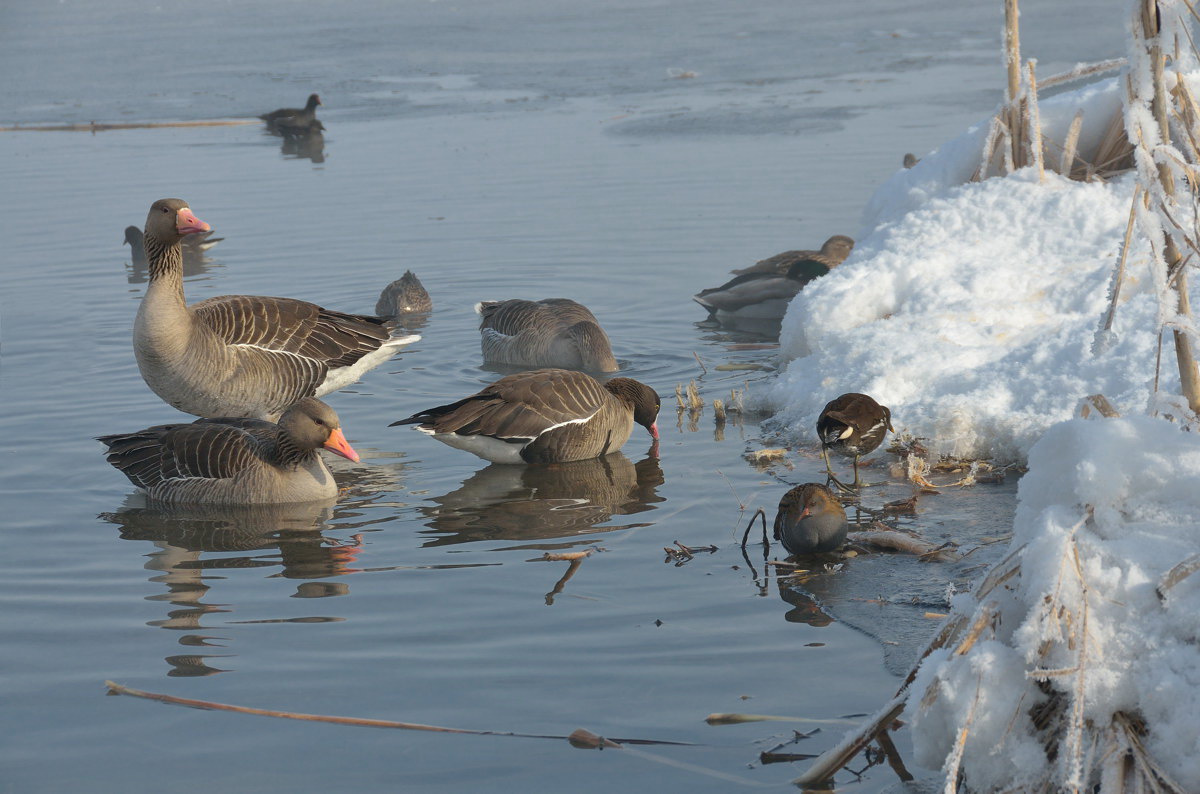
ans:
(972, 310)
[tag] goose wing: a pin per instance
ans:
(207, 450)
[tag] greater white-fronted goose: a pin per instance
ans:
(833, 252)
(406, 295)
(555, 332)
(294, 116)
(543, 416)
(810, 520)
(235, 460)
(854, 424)
(242, 355)
(195, 246)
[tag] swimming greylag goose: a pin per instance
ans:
(555, 332)
(759, 295)
(833, 252)
(543, 416)
(405, 295)
(195, 246)
(242, 355)
(810, 520)
(295, 116)
(855, 424)
(235, 460)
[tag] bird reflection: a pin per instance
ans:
(195, 255)
(304, 147)
(805, 608)
(194, 541)
(544, 501)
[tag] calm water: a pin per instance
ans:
(524, 150)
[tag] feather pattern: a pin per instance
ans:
(243, 355)
(554, 415)
(555, 332)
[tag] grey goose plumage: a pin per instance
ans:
(833, 252)
(543, 416)
(235, 460)
(406, 295)
(810, 520)
(555, 332)
(242, 355)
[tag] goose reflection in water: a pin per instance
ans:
(540, 502)
(194, 541)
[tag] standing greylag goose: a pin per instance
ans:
(235, 460)
(759, 295)
(855, 424)
(242, 355)
(543, 416)
(810, 520)
(833, 252)
(405, 295)
(555, 332)
(294, 116)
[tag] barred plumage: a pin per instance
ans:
(555, 332)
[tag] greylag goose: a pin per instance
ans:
(555, 332)
(195, 246)
(235, 460)
(405, 295)
(295, 116)
(543, 416)
(852, 423)
(810, 520)
(833, 252)
(242, 355)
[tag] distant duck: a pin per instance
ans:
(194, 246)
(833, 252)
(235, 460)
(555, 332)
(810, 520)
(295, 117)
(854, 424)
(405, 295)
(543, 416)
(242, 355)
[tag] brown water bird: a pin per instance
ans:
(543, 416)
(294, 117)
(810, 520)
(405, 295)
(235, 461)
(833, 252)
(555, 332)
(855, 424)
(242, 355)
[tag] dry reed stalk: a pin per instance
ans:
(679, 396)
(738, 719)
(837, 757)
(693, 397)
(1114, 153)
(1177, 574)
(719, 411)
(1083, 70)
(989, 151)
(905, 543)
(93, 126)
(1034, 126)
(1119, 273)
(1066, 164)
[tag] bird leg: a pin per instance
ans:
(831, 477)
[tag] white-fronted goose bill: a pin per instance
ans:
(304, 116)
(543, 416)
(405, 295)
(853, 424)
(833, 252)
(235, 460)
(810, 520)
(195, 246)
(242, 355)
(555, 332)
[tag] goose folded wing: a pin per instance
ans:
(293, 326)
(212, 450)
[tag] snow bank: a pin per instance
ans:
(971, 310)
(1139, 480)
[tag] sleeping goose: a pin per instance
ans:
(242, 355)
(555, 332)
(405, 295)
(543, 416)
(833, 252)
(294, 116)
(235, 460)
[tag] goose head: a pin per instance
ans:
(171, 219)
(311, 424)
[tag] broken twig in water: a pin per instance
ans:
(737, 719)
(759, 513)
